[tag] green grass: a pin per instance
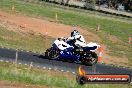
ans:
(109, 26)
(37, 76)
(24, 41)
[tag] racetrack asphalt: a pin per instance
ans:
(41, 61)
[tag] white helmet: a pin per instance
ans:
(74, 33)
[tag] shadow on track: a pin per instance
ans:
(62, 60)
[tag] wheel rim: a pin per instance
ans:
(89, 59)
(54, 54)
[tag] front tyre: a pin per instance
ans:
(89, 58)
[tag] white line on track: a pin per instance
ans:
(67, 71)
(1, 60)
(19, 63)
(38, 66)
(50, 68)
(55, 69)
(44, 67)
(73, 73)
(62, 70)
(25, 64)
(7, 61)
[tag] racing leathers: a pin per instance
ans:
(78, 40)
(61, 44)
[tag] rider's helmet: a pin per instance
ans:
(74, 33)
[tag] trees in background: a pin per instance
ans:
(114, 4)
(90, 4)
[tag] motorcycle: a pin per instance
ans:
(79, 52)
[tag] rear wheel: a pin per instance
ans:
(89, 58)
(52, 53)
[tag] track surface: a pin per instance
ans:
(39, 60)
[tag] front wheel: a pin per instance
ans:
(89, 58)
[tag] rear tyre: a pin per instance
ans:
(89, 59)
(52, 53)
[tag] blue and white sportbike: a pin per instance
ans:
(73, 49)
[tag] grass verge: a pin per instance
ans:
(24, 41)
(38, 76)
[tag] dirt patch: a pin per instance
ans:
(18, 22)
(106, 58)
(115, 60)
(115, 40)
(42, 26)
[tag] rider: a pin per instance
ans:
(74, 33)
(76, 38)
(61, 44)
(79, 40)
